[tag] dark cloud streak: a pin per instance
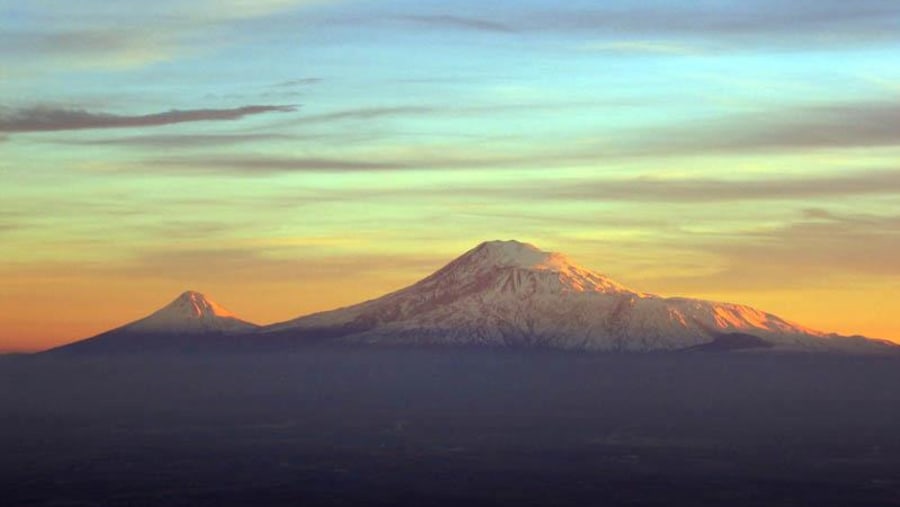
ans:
(249, 166)
(46, 119)
(180, 141)
(292, 83)
(446, 20)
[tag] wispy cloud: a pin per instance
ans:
(762, 23)
(840, 125)
(434, 110)
(179, 141)
(46, 119)
(403, 160)
(727, 24)
(635, 190)
(640, 189)
(367, 113)
(637, 47)
(799, 250)
(79, 35)
(292, 83)
(86, 48)
(810, 246)
(6, 227)
(256, 165)
(698, 190)
(461, 22)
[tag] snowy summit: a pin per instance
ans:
(526, 261)
(191, 312)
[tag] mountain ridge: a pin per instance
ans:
(498, 294)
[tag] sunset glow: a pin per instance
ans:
(292, 156)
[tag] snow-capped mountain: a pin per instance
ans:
(184, 323)
(191, 313)
(507, 293)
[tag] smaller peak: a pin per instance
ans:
(195, 304)
(191, 295)
(190, 312)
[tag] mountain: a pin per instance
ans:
(508, 293)
(499, 294)
(192, 321)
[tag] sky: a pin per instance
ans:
(290, 156)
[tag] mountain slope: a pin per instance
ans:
(188, 322)
(507, 293)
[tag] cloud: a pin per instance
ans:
(179, 141)
(697, 190)
(100, 47)
(172, 11)
(812, 249)
(179, 229)
(736, 25)
(606, 189)
(815, 246)
(116, 35)
(291, 83)
(446, 20)
(599, 189)
(762, 23)
(641, 47)
(46, 119)
(368, 113)
(414, 160)
(360, 114)
(726, 24)
(250, 165)
(841, 125)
